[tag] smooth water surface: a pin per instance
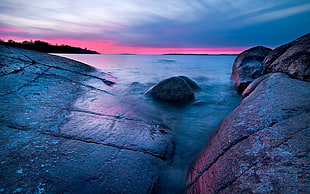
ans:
(192, 123)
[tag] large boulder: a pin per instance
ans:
(262, 146)
(63, 132)
(292, 58)
(175, 89)
(251, 87)
(248, 66)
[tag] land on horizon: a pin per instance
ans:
(195, 54)
(46, 47)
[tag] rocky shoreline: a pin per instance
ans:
(263, 145)
(57, 138)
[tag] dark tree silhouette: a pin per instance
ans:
(46, 47)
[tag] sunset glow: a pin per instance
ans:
(140, 27)
(108, 47)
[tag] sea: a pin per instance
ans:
(193, 123)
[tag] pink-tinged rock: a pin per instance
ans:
(262, 146)
(62, 133)
(248, 66)
(292, 59)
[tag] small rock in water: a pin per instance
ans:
(191, 83)
(175, 89)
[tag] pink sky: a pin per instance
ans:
(110, 47)
(156, 27)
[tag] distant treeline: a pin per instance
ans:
(46, 47)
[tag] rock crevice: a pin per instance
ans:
(262, 146)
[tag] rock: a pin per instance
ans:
(62, 132)
(248, 66)
(292, 58)
(262, 146)
(191, 83)
(175, 89)
(253, 85)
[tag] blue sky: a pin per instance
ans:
(122, 25)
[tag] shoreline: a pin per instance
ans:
(55, 139)
(261, 146)
(44, 107)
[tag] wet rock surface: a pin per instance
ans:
(58, 137)
(262, 146)
(175, 89)
(292, 59)
(248, 66)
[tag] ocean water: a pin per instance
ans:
(192, 123)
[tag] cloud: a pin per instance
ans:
(278, 14)
(171, 23)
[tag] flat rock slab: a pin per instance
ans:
(262, 146)
(61, 134)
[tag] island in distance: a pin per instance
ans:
(45, 47)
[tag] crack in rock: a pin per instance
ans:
(17, 70)
(79, 83)
(260, 160)
(233, 144)
(90, 142)
(160, 125)
(26, 84)
(107, 82)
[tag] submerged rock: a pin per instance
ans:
(175, 89)
(292, 58)
(58, 136)
(248, 66)
(262, 146)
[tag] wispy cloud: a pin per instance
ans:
(188, 23)
(278, 14)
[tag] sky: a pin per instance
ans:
(156, 26)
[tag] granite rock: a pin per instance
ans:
(61, 132)
(248, 66)
(292, 59)
(175, 89)
(262, 146)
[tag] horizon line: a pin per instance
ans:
(141, 50)
(163, 54)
